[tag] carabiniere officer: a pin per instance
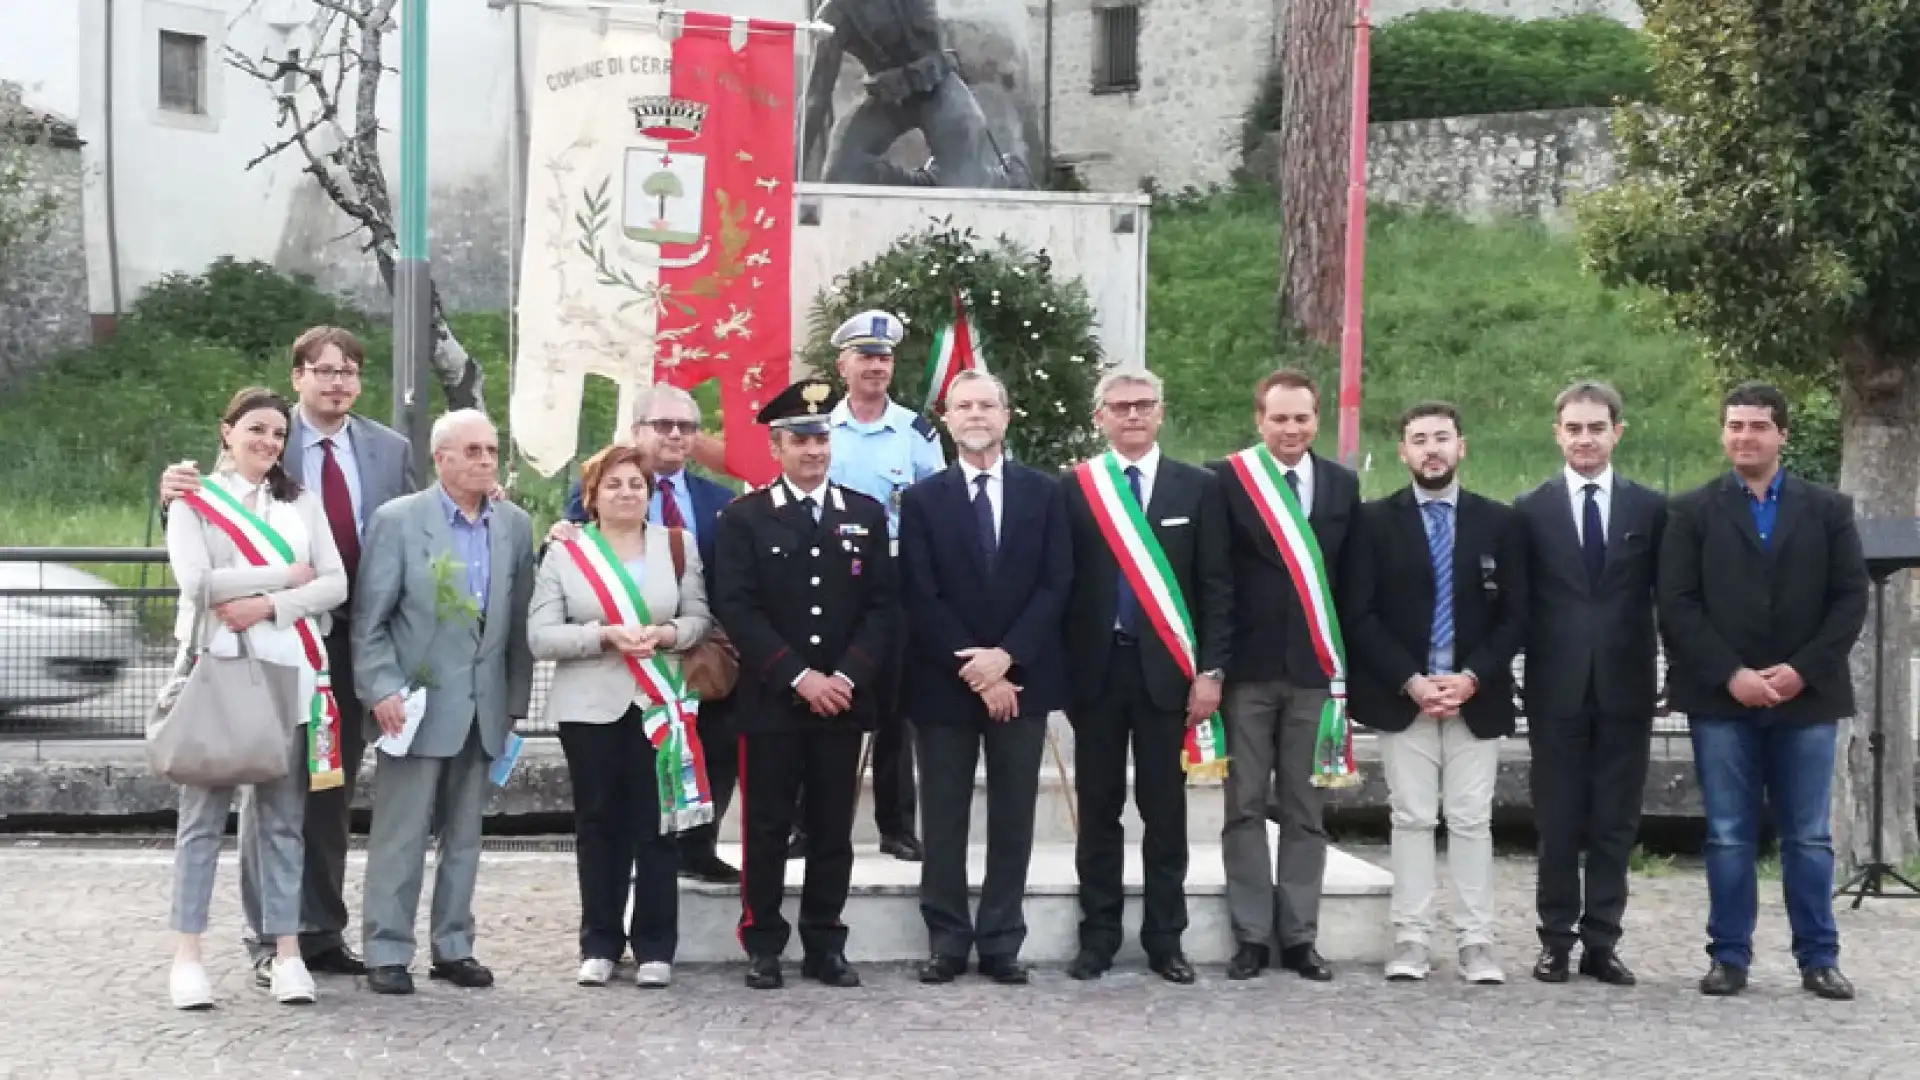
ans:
(880, 447)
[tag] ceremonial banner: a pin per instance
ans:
(658, 222)
(956, 348)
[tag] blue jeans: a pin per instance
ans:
(1745, 762)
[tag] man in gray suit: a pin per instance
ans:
(356, 466)
(440, 614)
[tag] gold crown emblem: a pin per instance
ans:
(662, 117)
(814, 395)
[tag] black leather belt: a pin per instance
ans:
(1124, 639)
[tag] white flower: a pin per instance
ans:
(1077, 358)
(1041, 373)
(1060, 407)
(1035, 337)
(934, 271)
(1026, 322)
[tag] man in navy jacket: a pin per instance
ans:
(986, 563)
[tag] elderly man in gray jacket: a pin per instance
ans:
(440, 649)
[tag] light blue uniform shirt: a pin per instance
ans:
(882, 458)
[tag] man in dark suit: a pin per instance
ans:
(984, 664)
(804, 584)
(356, 465)
(1437, 608)
(1763, 589)
(1593, 541)
(666, 422)
(1277, 684)
(1147, 659)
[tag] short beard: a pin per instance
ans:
(980, 444)
(1435, 483)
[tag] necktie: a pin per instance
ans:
(983, 518)
(669, 507)
(338, 502)
(1127, 605)
(1440, 555)
(1293, 481)
(812, 508)
(1593, 536)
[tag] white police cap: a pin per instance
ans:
(870, 332)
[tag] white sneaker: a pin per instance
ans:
(292, 982)
(189, 988)
(595, 972)
(1477, 965)
(653, 975)
(1409, 962)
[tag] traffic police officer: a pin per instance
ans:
(804, 584)
(880, 447)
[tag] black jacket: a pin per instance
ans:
(1389, 616)
(1188, 515)
(1726, 603)
(1270, 637)
(794, 595)
(954, 601)
(1583, 640)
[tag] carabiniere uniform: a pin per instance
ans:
(796, 594)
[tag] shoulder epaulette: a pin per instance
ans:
(925, 427)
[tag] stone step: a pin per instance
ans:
(883, 908)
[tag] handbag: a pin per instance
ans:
(712, 667)
(223, 721)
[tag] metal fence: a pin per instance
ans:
(87, 641)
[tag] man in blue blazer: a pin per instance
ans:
(666, 419)
(986, 563)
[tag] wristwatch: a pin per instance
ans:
(1215, 674)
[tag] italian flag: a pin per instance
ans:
(956, 348)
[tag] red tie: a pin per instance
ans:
(339, 504)
(669, 508)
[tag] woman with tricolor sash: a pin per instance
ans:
(260, 548)
(611, 610)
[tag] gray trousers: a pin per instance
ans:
(271, 817)
(1273, 898)
(414, 799)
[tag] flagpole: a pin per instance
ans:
(1355, 268)
(412, 275)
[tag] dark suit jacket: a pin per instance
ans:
(1390, 622)
(794, 595)
(954, 601)
(709, 499)
(1270, 637)
(1727, 604)
(1188, 515)
(1583, 640)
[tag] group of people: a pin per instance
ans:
(1230, 619)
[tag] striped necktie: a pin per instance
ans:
(1440, 555)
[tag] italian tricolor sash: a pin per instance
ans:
(1123, 522)
(670, 712)
(1287, 525)
(261, 545)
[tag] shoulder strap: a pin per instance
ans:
(679, 548)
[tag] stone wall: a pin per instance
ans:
(43, 293)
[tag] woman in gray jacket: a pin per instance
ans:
(597, 702)
(249, 499)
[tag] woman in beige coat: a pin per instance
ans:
(265, 603)
(593, 699)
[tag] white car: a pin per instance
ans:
(57, 645)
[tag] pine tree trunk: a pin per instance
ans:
(1880, 468)
(1315, 114)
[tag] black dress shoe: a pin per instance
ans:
(1551, 967)
(901, 846)
(942, 969)
(1174, 968)
(1827, 982)
(830, 969)
(708, 867)
(465, 972)
(1306, 962)
(1723, 980)
(763, 972)
(1089, 965)
(338, 960)
(1605, 965)
(1248, 962)
(1005, 970)
(389, 980)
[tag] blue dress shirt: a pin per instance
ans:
(472, 545)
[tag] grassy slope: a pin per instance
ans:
(1495, 318)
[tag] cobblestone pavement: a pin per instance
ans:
(84, 949)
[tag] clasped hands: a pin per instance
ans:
(1441, 696)
(242, 614)
(640, 642)
(1767, 687)
(985, 673)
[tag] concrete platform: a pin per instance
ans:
(883, 910)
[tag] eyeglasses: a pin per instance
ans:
(1143, 407)
(668, 427)
(334, 374)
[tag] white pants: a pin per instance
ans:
(1438, 767)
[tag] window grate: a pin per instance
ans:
(1116, 49)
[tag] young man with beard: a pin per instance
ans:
(1436, 610)
(985, 666)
